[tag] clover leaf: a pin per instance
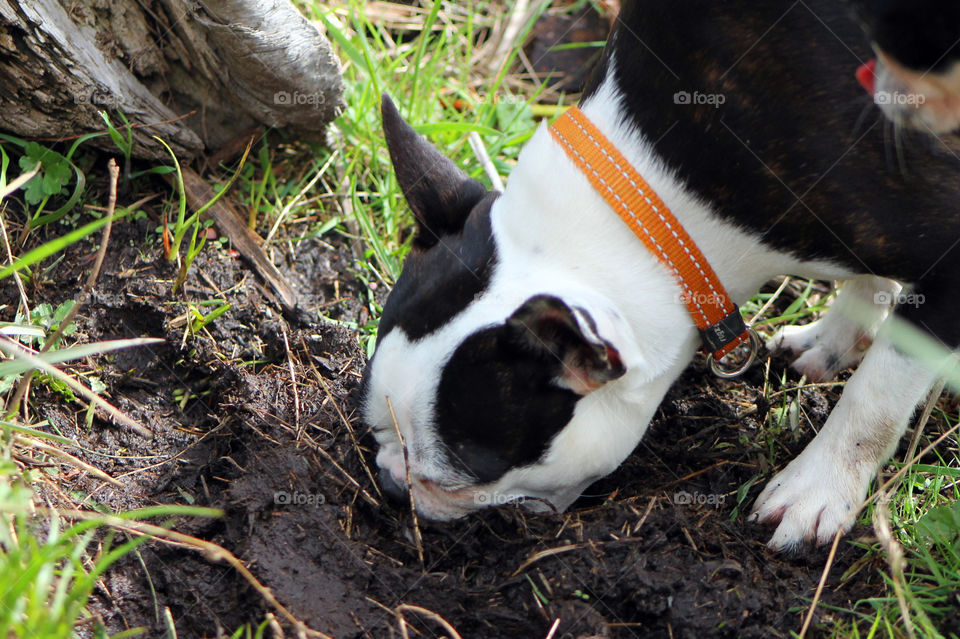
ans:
(53, 176)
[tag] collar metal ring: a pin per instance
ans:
(736, 363)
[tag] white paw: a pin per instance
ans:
(794, 338)
(827, 347)
(810, 500)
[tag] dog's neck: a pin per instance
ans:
(550, 221)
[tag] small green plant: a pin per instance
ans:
(52, 176)
(184, 223)
(200, 320)
(123, 143)
(247, 632)
(49, 568)
(46, 250)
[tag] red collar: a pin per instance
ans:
(721, 326)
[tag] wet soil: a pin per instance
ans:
(658, 549)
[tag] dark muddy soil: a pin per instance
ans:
(658, 549)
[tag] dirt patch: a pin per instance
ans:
(653, 550)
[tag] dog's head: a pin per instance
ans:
(486, 371)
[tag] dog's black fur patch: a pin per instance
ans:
(499, 403)
(453, 252)
(440, 195)
(436, 284)
(497, 406)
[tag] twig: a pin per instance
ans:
(696, 473)
(518, 15)
(801, 387)
(293, 384)
(543, 554)
(417, 537)
(823, 580)
(480, 150)
(646, 513)
(881, 526)
(343, 471)
(275, 626)
(769, 302)
(21, 179)
(24, 300)
(429, 614)
(553, 628)
(924, 416)
(30, 442)
(53, 338)
(343, 418)
(15, 350)
(16, 274)
(211, 551)
(114, 171)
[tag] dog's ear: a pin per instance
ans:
(568, 339)
(440, 195)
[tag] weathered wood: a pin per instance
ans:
(234, 63)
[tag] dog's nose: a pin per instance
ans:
(390, 487)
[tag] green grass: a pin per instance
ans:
(440, 89)
(924, 510)
(48, 570)
(52, 556)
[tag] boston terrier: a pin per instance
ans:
(532, 335)
(915, 77)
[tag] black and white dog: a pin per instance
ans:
(531, 336)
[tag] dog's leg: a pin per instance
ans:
(817, 493)
(837, 341)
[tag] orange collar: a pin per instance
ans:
(716, 316)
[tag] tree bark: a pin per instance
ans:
(234, 63)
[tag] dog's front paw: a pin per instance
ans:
(809, 500)
(795, 339)
(827, 347)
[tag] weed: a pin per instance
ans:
(123, 143)
(53, 174)
(183, 224)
